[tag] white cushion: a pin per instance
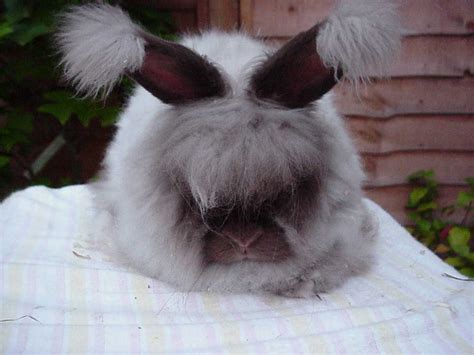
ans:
(61, 293)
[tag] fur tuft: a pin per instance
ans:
(360, 37)
(98, 44)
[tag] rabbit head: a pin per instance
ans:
(249, 181)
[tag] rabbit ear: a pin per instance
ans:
(176, 74)
(358, 39)
(99, 43)
(295, 75)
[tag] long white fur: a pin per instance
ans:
(98, 44)
(145, 206)
(360, 37)
(155, 141)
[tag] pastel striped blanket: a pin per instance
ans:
(61, 294)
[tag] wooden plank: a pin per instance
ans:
(185, 20)
(246, 15)
(385, 98)
(418, 17)
(281, 18)
(394, 198)
(202, 14)
(168, 4)
(438, 17)
(427, 56)
(434, 55)
(224, 14)
(410, 133)
(393, 168)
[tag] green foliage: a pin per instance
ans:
(16, 130)
(434, 225)
(32, 102)
(64, 106)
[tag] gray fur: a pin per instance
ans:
(218, 150)
(223, 168)
(169, 165)
(360, 37)
(98, 44)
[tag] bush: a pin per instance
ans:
(434, 225)
(39, 117)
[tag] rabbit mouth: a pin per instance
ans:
(247, 231)
(236, 237)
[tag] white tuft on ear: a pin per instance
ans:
(360, 37)
(98, 44)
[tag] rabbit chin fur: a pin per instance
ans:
(201, 142)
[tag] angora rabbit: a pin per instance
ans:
(231, 170)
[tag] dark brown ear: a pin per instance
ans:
(295, 75)
(176, 74)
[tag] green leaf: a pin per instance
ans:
(414, 216)
(425, 177)
(5, 29)
(464, 199)
(427, 206)
(458, 239)
(455, 261)
(416, 195)
(4, 161)
(84, 112)
(28, 32)
(423, 225)
(470, 257)
(438, 224)
(61, 111)
(467, 271)
(108, 116)
(65, 106)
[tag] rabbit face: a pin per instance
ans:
(239, 165)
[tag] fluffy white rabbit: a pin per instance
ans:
(231, 170)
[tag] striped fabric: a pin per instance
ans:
(61, 294)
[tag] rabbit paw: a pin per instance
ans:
(304, 287)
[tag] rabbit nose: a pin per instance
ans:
(244, 240)
(250, 241)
